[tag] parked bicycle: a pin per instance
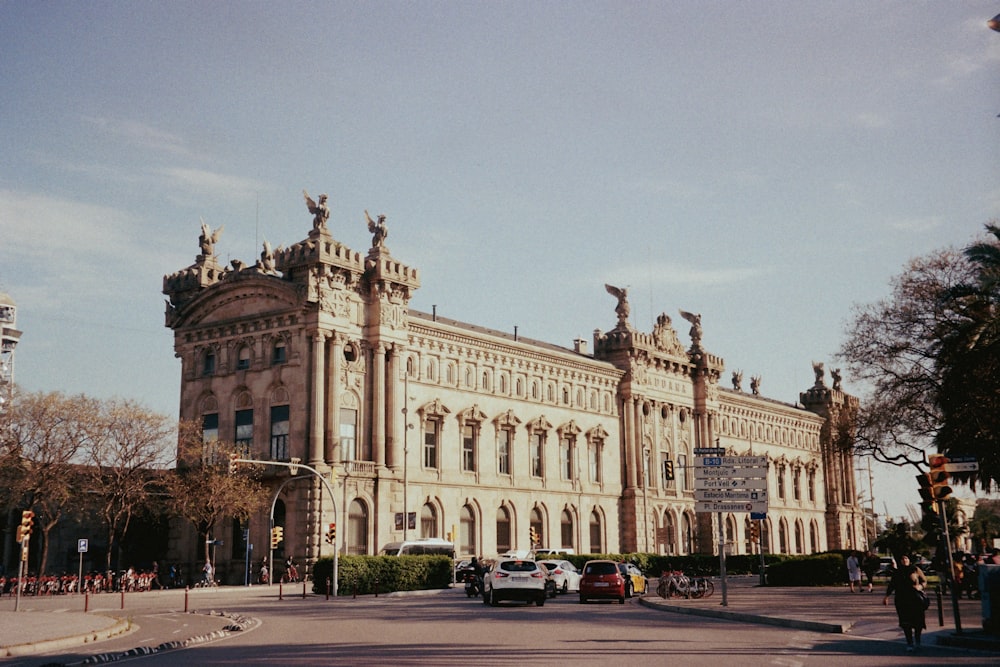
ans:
(676, 584)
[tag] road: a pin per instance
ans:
(447, 628)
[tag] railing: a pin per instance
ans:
(359, 467)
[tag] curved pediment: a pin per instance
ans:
(229, 300)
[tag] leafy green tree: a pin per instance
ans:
(985, 523)
(900, 538)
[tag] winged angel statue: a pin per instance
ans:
(320, 211)
(208, 238)
(622, 309)
(378, 229)
(695, 320)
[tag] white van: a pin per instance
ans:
(428, 546)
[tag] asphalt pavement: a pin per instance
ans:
(819, 609)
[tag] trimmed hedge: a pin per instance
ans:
(367, 574)
(362, 574)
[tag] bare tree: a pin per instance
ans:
(45, 435)
(128, 445)
(203, 491)
(892, 345)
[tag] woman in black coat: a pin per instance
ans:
(908, 582)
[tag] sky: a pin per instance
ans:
(770, 165)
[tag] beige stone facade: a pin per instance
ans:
(428, 427)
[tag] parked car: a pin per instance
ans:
(513, 579)
(635, 580)
(601, 579)
(564, 573)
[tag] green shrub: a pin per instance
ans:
(816, 570)
(366, 574)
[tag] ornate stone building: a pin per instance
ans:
(428, 427)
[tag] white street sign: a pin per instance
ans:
(961, 467)
(712, 506)
(725, 495)
(744, 461)
(703, 472)
(729, 483)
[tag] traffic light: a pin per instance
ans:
(277, 535)
(233, 465)
(534, 537)
(754, 532)
(939, 477)
(331, 534)
(668, 470)
(24, 530)
(927, 503)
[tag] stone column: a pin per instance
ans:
(628, 417)
(378, 404)
(333, 453)
(318, 402)
(393, 445)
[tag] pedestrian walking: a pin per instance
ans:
(854, 571)
(870, 565)
(908, 582)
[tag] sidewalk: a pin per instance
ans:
(30, 632)
(829, 609)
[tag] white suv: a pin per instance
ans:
(513, 579)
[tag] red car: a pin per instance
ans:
(601, 579)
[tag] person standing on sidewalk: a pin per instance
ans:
(870, 565)
(854, 571)
(908, 583)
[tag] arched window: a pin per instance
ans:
(467, 531)
(670, 531)
(279, 353)
(208, 363)
(243, 360)
(596, 543)
(687, 534)
(503, 530)
(357, 529)
(566, 530)
(800, 538)
(813, 537)
(428, 521)
(783, 537)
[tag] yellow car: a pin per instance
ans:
(635, 580)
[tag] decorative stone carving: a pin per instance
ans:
(208, 239)
(665, 337)
(622, 309)
(695, 320)
(320, 211)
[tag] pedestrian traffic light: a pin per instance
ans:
(940, 477)
(24, 530)
(233, 465)
(927, 503)
(534, 537)
(331, 534)
(277, 535)
(668, 470)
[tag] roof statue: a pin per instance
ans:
(378, 229)
(755, 385)
(738, 380)
(320, 211)
(622, 309)
(266, 262)
(208, 239)
(835, 374)
(695, 320)
(818, 370)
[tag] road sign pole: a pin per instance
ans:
(722, 560)
(951, 567)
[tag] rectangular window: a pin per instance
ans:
(594, 455)
(566, 458)
(781, 489)
(244, 431)
(431, 433)
(503, 452)
(278, 354)
(279, 432)
(348, 434)
(469, 448)
(812, 486)
(535, 444)
(210, 427)
(796, 483)
(208, 367)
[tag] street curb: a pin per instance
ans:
(815, 626)
(120, 627)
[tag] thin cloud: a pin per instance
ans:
(924, 224)
(142, 135)
(663, 275)
(202, 181)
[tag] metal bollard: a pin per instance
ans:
(187, 589)
(355, 589)
(86, 601)
(376, 586)
(303, 589)
(328, 585)
(281, 586)
(123, 598)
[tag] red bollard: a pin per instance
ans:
(187, 589)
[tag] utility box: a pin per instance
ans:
(989, 590)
